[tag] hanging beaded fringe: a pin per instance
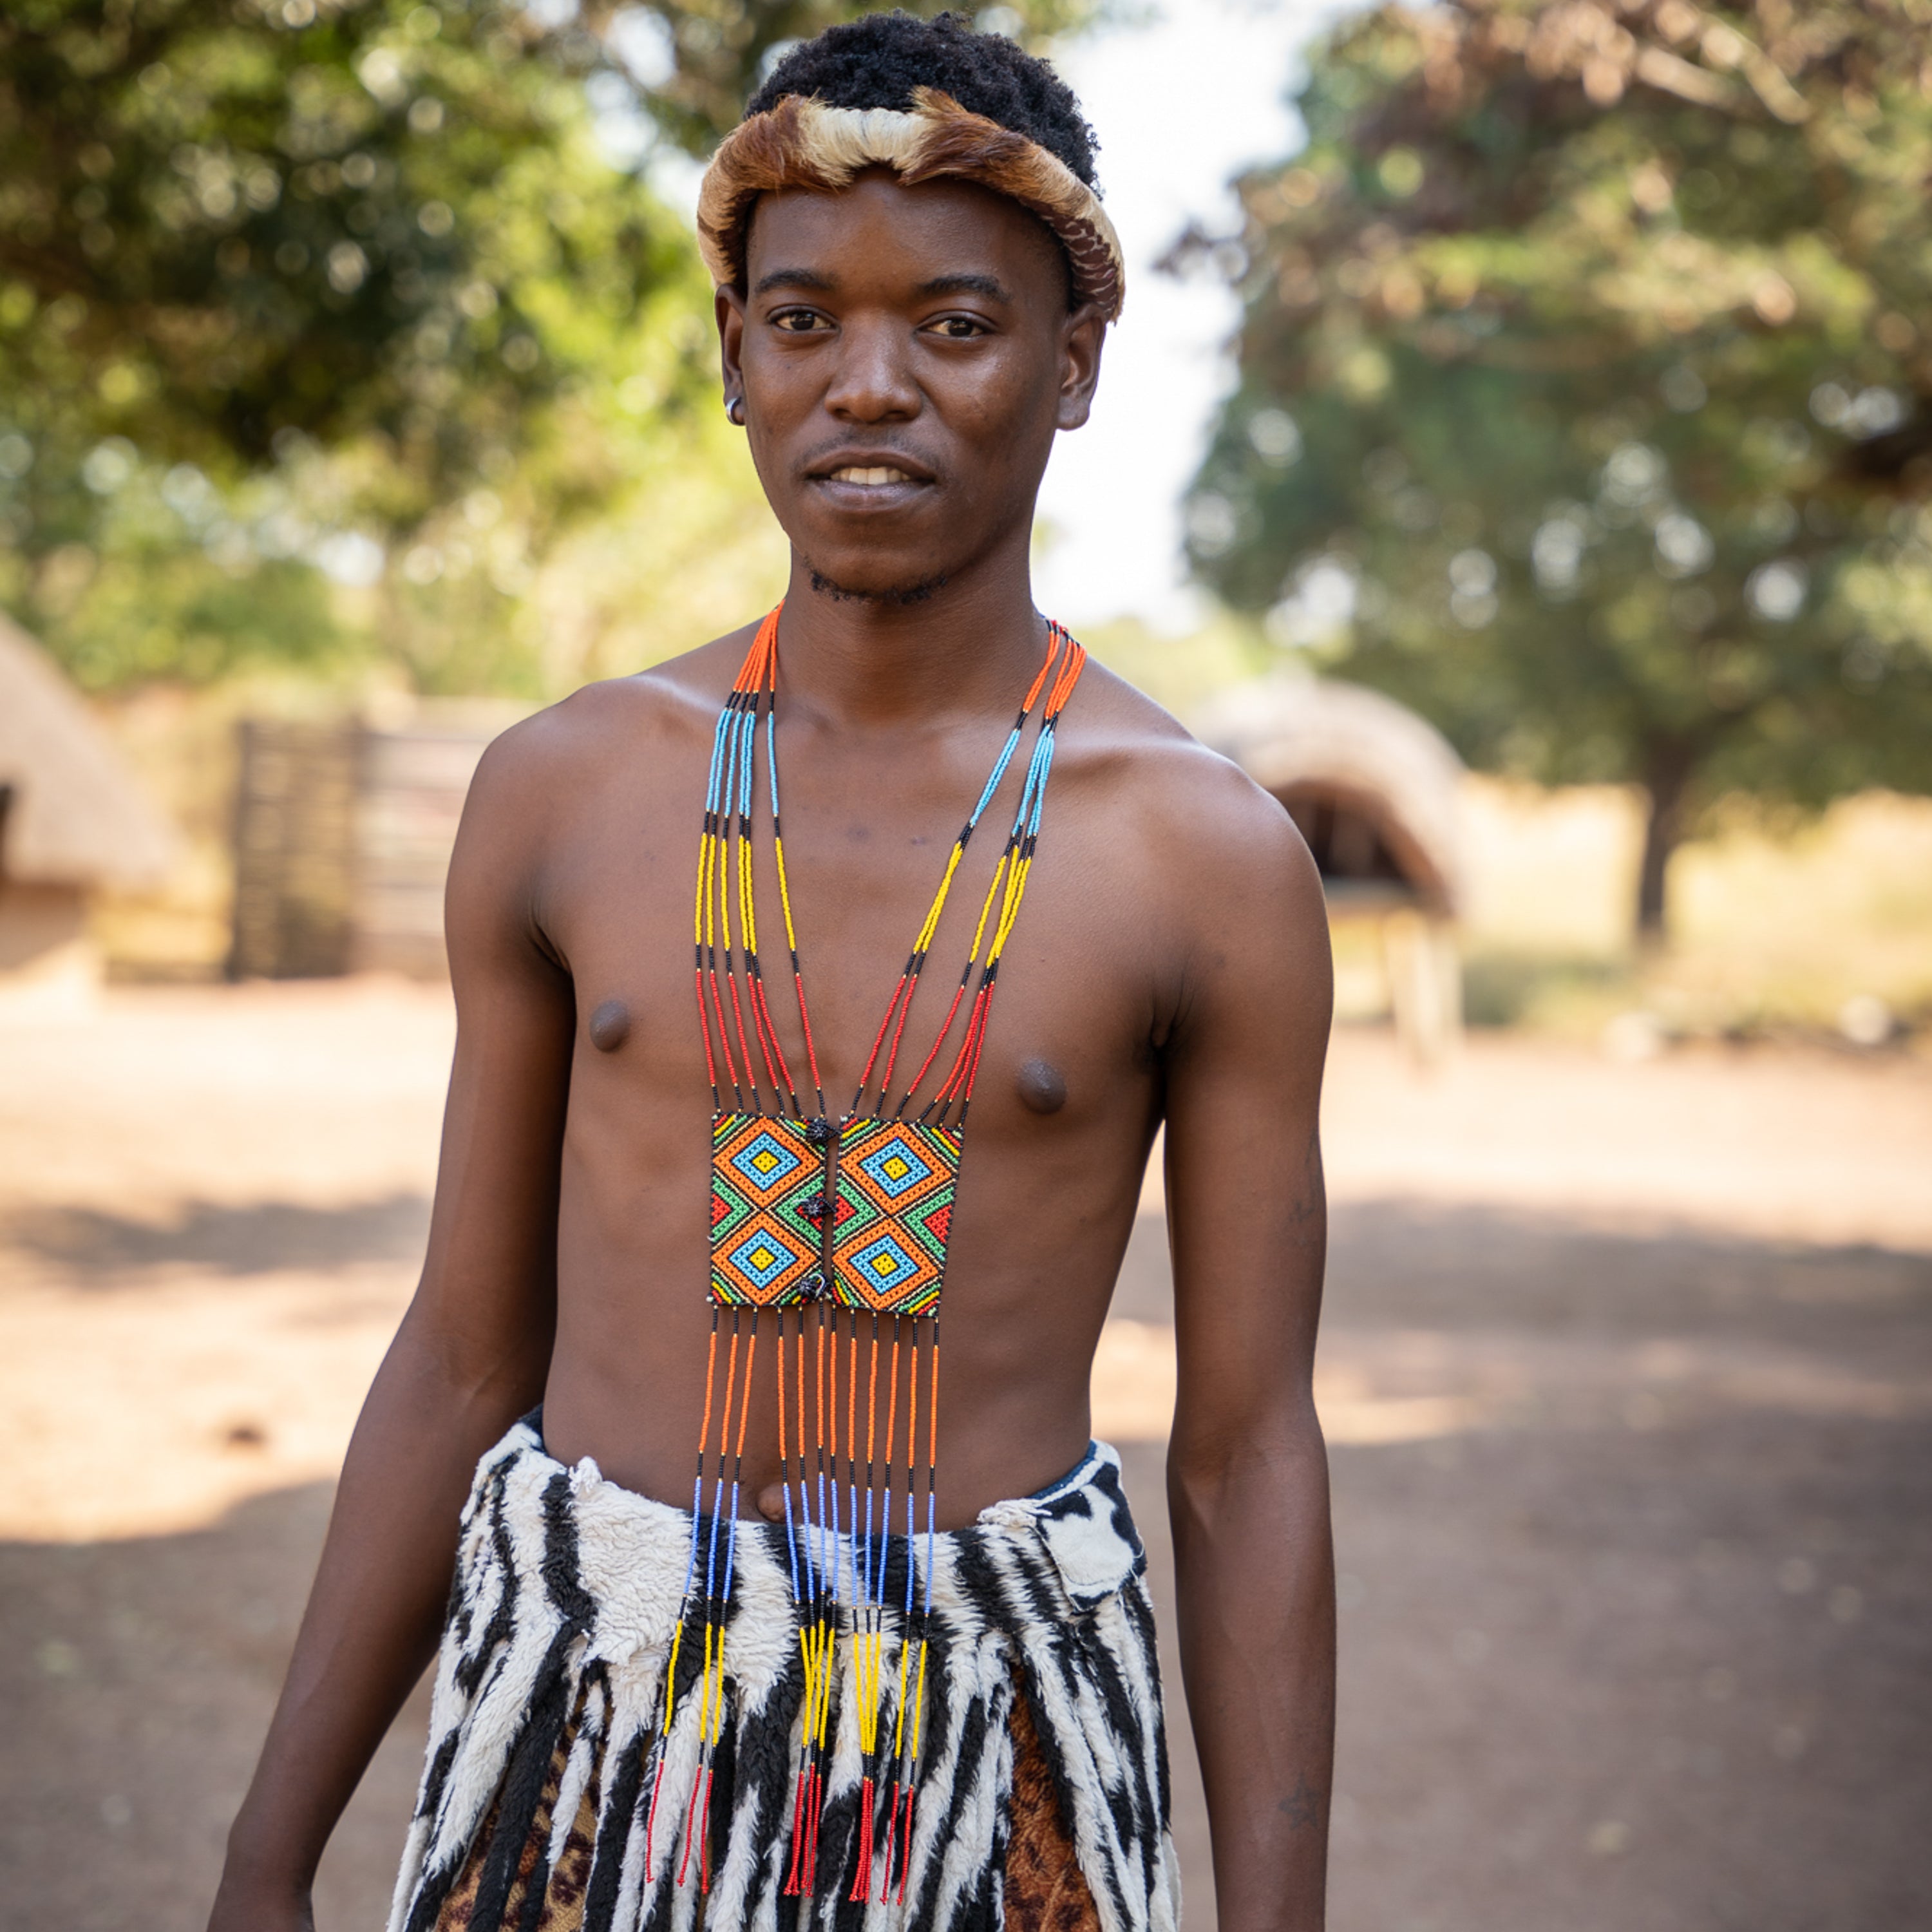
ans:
(837, 1221)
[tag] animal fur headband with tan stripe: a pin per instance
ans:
(801, 142)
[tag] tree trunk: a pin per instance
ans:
(1667, 771)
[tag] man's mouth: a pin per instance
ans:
(870, 478)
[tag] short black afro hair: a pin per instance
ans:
(877, 61)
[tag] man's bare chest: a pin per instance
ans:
(1079, 1006)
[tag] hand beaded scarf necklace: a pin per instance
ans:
(829, 1218)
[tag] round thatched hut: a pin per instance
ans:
(1374, 789)
(71, 820)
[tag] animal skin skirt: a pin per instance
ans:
(552, 1800)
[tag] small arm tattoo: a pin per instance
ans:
(1302, 1807)
(1308, 1207)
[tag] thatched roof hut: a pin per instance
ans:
(1373, 787)
(69, 815)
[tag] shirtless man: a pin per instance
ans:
(902, 353)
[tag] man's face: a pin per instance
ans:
(905, 355)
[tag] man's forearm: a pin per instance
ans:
(371, 1624)
(1257, 1628)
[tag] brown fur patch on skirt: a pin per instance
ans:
(1045, 1891)
(563, 1909)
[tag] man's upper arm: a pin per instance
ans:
(1245, 1203)
(490, 1283)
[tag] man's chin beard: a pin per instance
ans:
(895, 594)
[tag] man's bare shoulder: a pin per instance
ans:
(1198, 811)
(1218, 877)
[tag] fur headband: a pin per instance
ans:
(801, 142)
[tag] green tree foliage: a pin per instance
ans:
(373, 284)
(1586, 395)
(281, 284)
(222, 223)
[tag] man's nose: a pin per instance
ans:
(873, 382)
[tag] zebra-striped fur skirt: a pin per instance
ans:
(547, 1770)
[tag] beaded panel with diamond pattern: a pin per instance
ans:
(767, 1178)
(896, 1179)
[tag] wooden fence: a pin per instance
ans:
(343, 834)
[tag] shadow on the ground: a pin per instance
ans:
(1409, 1263)
(1679, 1679)
(1405, 1262)
(258, 1238)
(138, 1677)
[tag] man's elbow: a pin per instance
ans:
(1218, 1449)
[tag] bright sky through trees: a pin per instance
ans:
(1181, 103)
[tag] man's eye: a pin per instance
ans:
(958, 327)
(799, 321)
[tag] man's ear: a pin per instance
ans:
(1082, 336)
(729, 306)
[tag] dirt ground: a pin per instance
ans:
(1627, 1368)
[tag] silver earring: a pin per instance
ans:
(734, 409)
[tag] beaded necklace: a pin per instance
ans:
(830, 1219)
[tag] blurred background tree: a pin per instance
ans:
(1585, 392)
(325, 323)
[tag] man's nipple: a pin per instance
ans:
(772, 1501)
(610, 1026)
(1042, 1087)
